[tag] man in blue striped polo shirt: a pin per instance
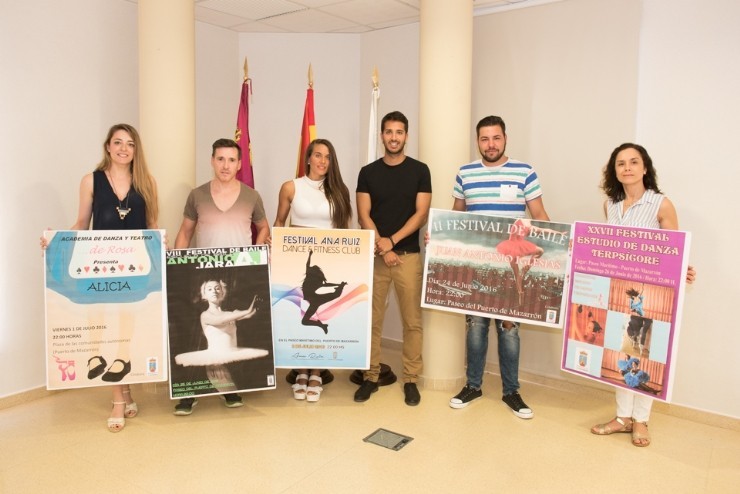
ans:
(497, 186)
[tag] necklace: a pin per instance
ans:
(122, 211)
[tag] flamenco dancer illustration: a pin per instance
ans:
(518, 248)
(593, 328)
(634, 377)
(219, 328)
(638, 325)
(315, 293)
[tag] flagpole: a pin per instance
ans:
(308, 128)
(372, 130)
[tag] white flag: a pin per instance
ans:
(372, 130)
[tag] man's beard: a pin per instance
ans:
(496, 157)
(394, 153)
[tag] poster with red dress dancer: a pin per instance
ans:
(490, 266)
(220, 321)
(624, 306)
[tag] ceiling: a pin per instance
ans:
(326, 16)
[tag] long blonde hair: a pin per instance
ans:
(142, 180)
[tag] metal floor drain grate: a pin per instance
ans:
(388, 439)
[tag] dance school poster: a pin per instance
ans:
(624, 306)
(220, 329)
(321, 297)
(105, 308)
(505, 268)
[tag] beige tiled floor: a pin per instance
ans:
(275, 444)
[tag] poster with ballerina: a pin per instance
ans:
(106, 316)
(321, 297)
(219, 321)
(624, 306)
(490, 266)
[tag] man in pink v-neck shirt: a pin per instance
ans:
(220, 213)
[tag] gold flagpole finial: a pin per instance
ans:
(310, 76)
(375, 77)
(246, 69)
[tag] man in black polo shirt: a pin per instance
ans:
(393, 197)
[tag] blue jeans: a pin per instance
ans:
(508, 351)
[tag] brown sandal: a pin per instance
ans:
(640, 439)
(606, 429)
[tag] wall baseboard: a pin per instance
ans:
(679, 411)
(593, 389)
(25, 397)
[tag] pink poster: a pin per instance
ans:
(624, 306)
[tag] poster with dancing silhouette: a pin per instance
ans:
(106, 316)
(490, 266)
(321, 297)
(220, 328)
(624, 306)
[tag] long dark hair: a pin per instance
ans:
(613, 188)
(335, 190)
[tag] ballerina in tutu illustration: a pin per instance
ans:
(219, 328)
(517, 247)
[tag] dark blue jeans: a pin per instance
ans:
(477, 348)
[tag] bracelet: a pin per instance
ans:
(393, 244)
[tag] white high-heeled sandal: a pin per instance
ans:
(299, 390)
(116, 424)
(132, 409)
(313, 393)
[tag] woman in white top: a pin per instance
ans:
(634, 199)
(320, 199)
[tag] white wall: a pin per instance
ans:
(69, 73)
(59, 94)
(395, 52)
(278, 66)
(568, 93)
(572, 79)
(688, 120)
(563, 76)
(218, 77)
(575, 79)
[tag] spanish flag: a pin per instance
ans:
(308, 133)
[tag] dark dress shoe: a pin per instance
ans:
(411, 394)
(114, 377)
(385, 378)
(94, 372)
(363, 392)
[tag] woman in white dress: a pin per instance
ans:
(320, 199)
